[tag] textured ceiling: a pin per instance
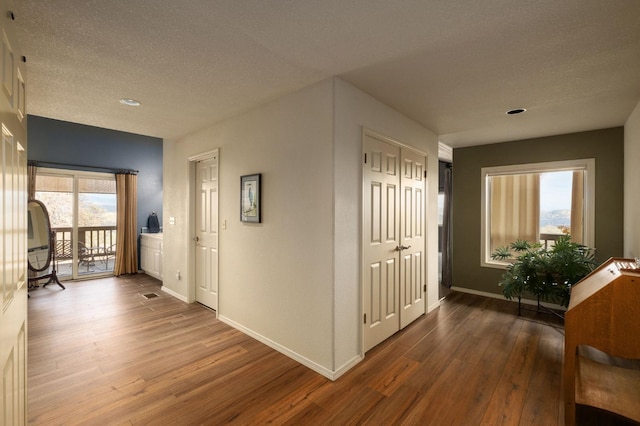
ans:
(454, 66)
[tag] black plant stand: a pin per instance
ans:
(540, 309)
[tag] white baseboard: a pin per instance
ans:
(174, 294)
(331, 375)
(346, 367)
(433, 306)
(499, 296)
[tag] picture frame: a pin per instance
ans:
(251, 198)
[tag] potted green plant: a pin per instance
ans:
(545, 273)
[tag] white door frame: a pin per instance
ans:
(372, 133)
(191, 287)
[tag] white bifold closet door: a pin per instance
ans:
(393, 275)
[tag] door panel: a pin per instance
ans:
(206, 245)
(393, 240)
(13, 232)
(381, 201)
(412, 285)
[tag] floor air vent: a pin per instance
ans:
(149, 295)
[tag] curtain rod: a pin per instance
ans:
(110, 169)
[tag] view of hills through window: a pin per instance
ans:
(96, 201)
(555, 202)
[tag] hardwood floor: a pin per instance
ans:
(101, 353)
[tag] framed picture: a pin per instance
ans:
(250, 198)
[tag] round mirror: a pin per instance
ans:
(39, 237)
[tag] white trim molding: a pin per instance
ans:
(445, 152)
(174, 294)
(204, 155)
(329, 374)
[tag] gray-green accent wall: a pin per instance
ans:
(606, 146)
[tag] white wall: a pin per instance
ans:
(275, 278)
(294, 280)
(354, 110)
(631, 184)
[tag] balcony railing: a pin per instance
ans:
(549, 240)
(95, 244)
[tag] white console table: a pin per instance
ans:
(151, 254)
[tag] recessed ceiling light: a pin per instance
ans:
(516, 111)
(129, 102)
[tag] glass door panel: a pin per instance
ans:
(82, 207)
(96, 225)
(56, 192)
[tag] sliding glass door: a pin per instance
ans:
(82, 207)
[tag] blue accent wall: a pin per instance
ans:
(71, 143)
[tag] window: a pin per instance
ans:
(537, 202)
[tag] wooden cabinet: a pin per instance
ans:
(602, 347)
(151, 254)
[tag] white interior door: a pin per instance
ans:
(381, 272)
(393, 238)
(13, 229)
(206, 238)
(412, 277)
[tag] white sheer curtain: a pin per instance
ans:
(515, 209)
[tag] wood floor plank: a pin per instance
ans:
(101, 353)
(506, 404)
(388, 380)
(292, 404)
(393, 411)
(487, 368)
(544, 392)
(441, 394)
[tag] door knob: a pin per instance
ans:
(196, 239)
(401, 247)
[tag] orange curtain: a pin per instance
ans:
(126, 235)
(515, 209)
(32, 170)
(577, 207)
